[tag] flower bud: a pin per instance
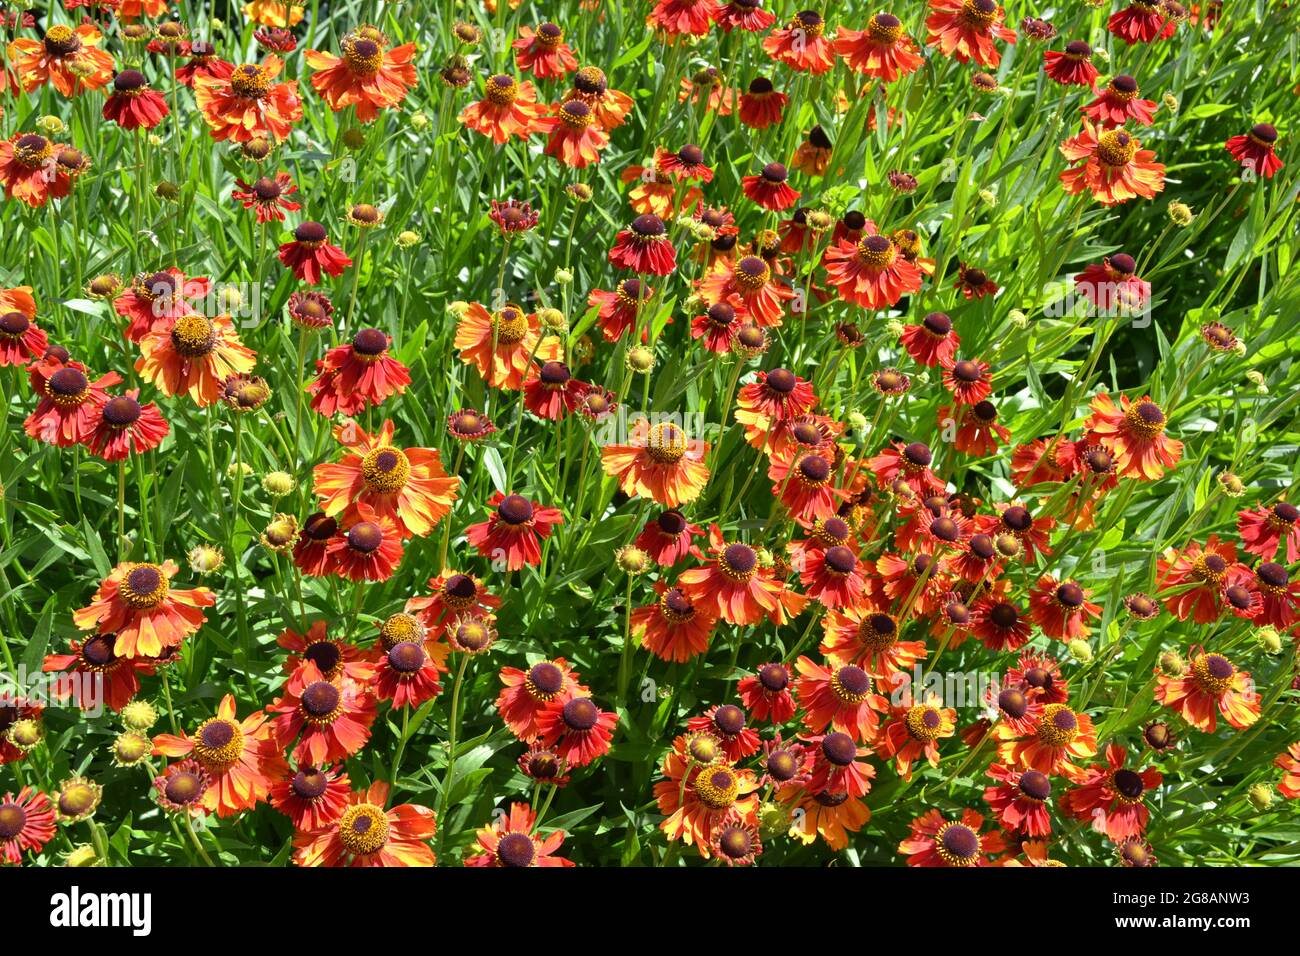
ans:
(139, 715)
(277, 484)
(1261, 796)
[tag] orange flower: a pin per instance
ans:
(508, 108)
(28, 824)
(509, 841)
(1111, 165)
(408, 485)
(1059, 736)
(29, 170)
(526, 694)
(330, 719)
(368, 75)
(751, 281)
(453, 593)
(369, 550)
(660, 463)
(138, 604)
(739, 589)
(882, 50)
(872, 272)
(829, 814)
(514, 530)
(696, 798)
(1211, 683)
(368, 835)
(1135, 435)
(312, 797)
(544, 53)
(673, 628)
(357, 375)
(610, 107)
(249, 103)
(67, 58)
(576, 140)
(914, 731)
(274, 13)
(966, 29)
(869, 640)
(1289, 762)
(802, 45)
(842, 697)
(239, 756)
(500, 344)
(935, 841)
(195, 355)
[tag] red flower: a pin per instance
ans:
(914, 731)
(267, 196)
(735, 587)
(938, 842)
(668, 539)
(96, 660)
(1254, 150)
(673, 628)
(1019, 800)
(728, 723)
(1062, 609)
(691, 17)
(367, 76)
(330, 720)
(132, 105)
(204, 62)
(1118, 103)
(908, 463)
(29, 169)
(966, 29)
(124, 426)
(933, 341)
(137, 603)
(766, 695)
(26, 823)
(1204, 569)
(968, 380)
(1073, 67)
(1059, 736)
(575, 139)
(508, 108)
(311, 553)
(579, 731)
(869, 639)
(1289, 761)
(747, 15)
(312, 798)
(544, 53)
(248, 103)
(871, 272)
(525, 694)
(751, 281)
(1141, 22)
(882, 50)
(802, 44)
(509, 841)
(644, 247)
(769, 189)
(453, 593)
(836, 767)
(1112, 797)
(514, 531)
(842, 697)
(1135, 435)
(1111, 165)
(1113, 287)
(1262, 530)
(761, 105)
(357, 375)
(311, 255)
(369, 549)
(698, 799)
(366, 834)
(1210, 686)
(408, 675)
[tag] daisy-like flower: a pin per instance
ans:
(660, 462)
(1072, 66)
(117, 678)
(1210, 686)
(366, 835)
(882, 50)
(735, 587)
(610, 107)
(913, 731)
(514, 530)
(367, 75)
(762, 105)
(311, 553)
(802, 44)
(1193, 580)
(1118, 102)
(1281, 596)
(543, 52)
(673, 628)
(870, 272)
(310, 255)
(869, 640)
(194, 356)
(453, 593)
(775, 396)
(1018, 799)
(933, 341)
(240, 756)
(965, 30)
(526, 693)
(132, 104)
(407, 485)
(267, 197)
(1000, 624)
(769, 188)
(137, 603)
(508, 108)
(1255, 150)
(836, 766)
(26, 824)
(644, 247)
(689, 17)
(1113, 286)
(330, 720)
(311, 797)
(747, 15)
(1111, 165)
(909, 463)
(249, 103)
(469, 425)
(697, 798)
(968, 380)
(367, 549)
(509, 841)
(766, 695)
(1112, 797)
(841, 696)
(934, 841)
(357, 375)
(1289, 762)
(717, 326)
(472, 633)
(1040, 677)
(708, 86)
(577, 729)
(154, 301)
(814, 154)
(408, 675)
(182, 787)
(1141, 22)
(834, 577)
(68, 58)
(803, 482)
(574, 137)
(29, 170)
(1062, 609)
(749, 279)
(123, 425)
(620, 309)
(669, 538)
(552, 391)
(729, 725)
(1059, 737)
(500, 344)
(22, 341)
(1135, 435)
(829, 815)
(513, 217)
(1263, 530)
(333, 657)
(978, 431)
(203, 61)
